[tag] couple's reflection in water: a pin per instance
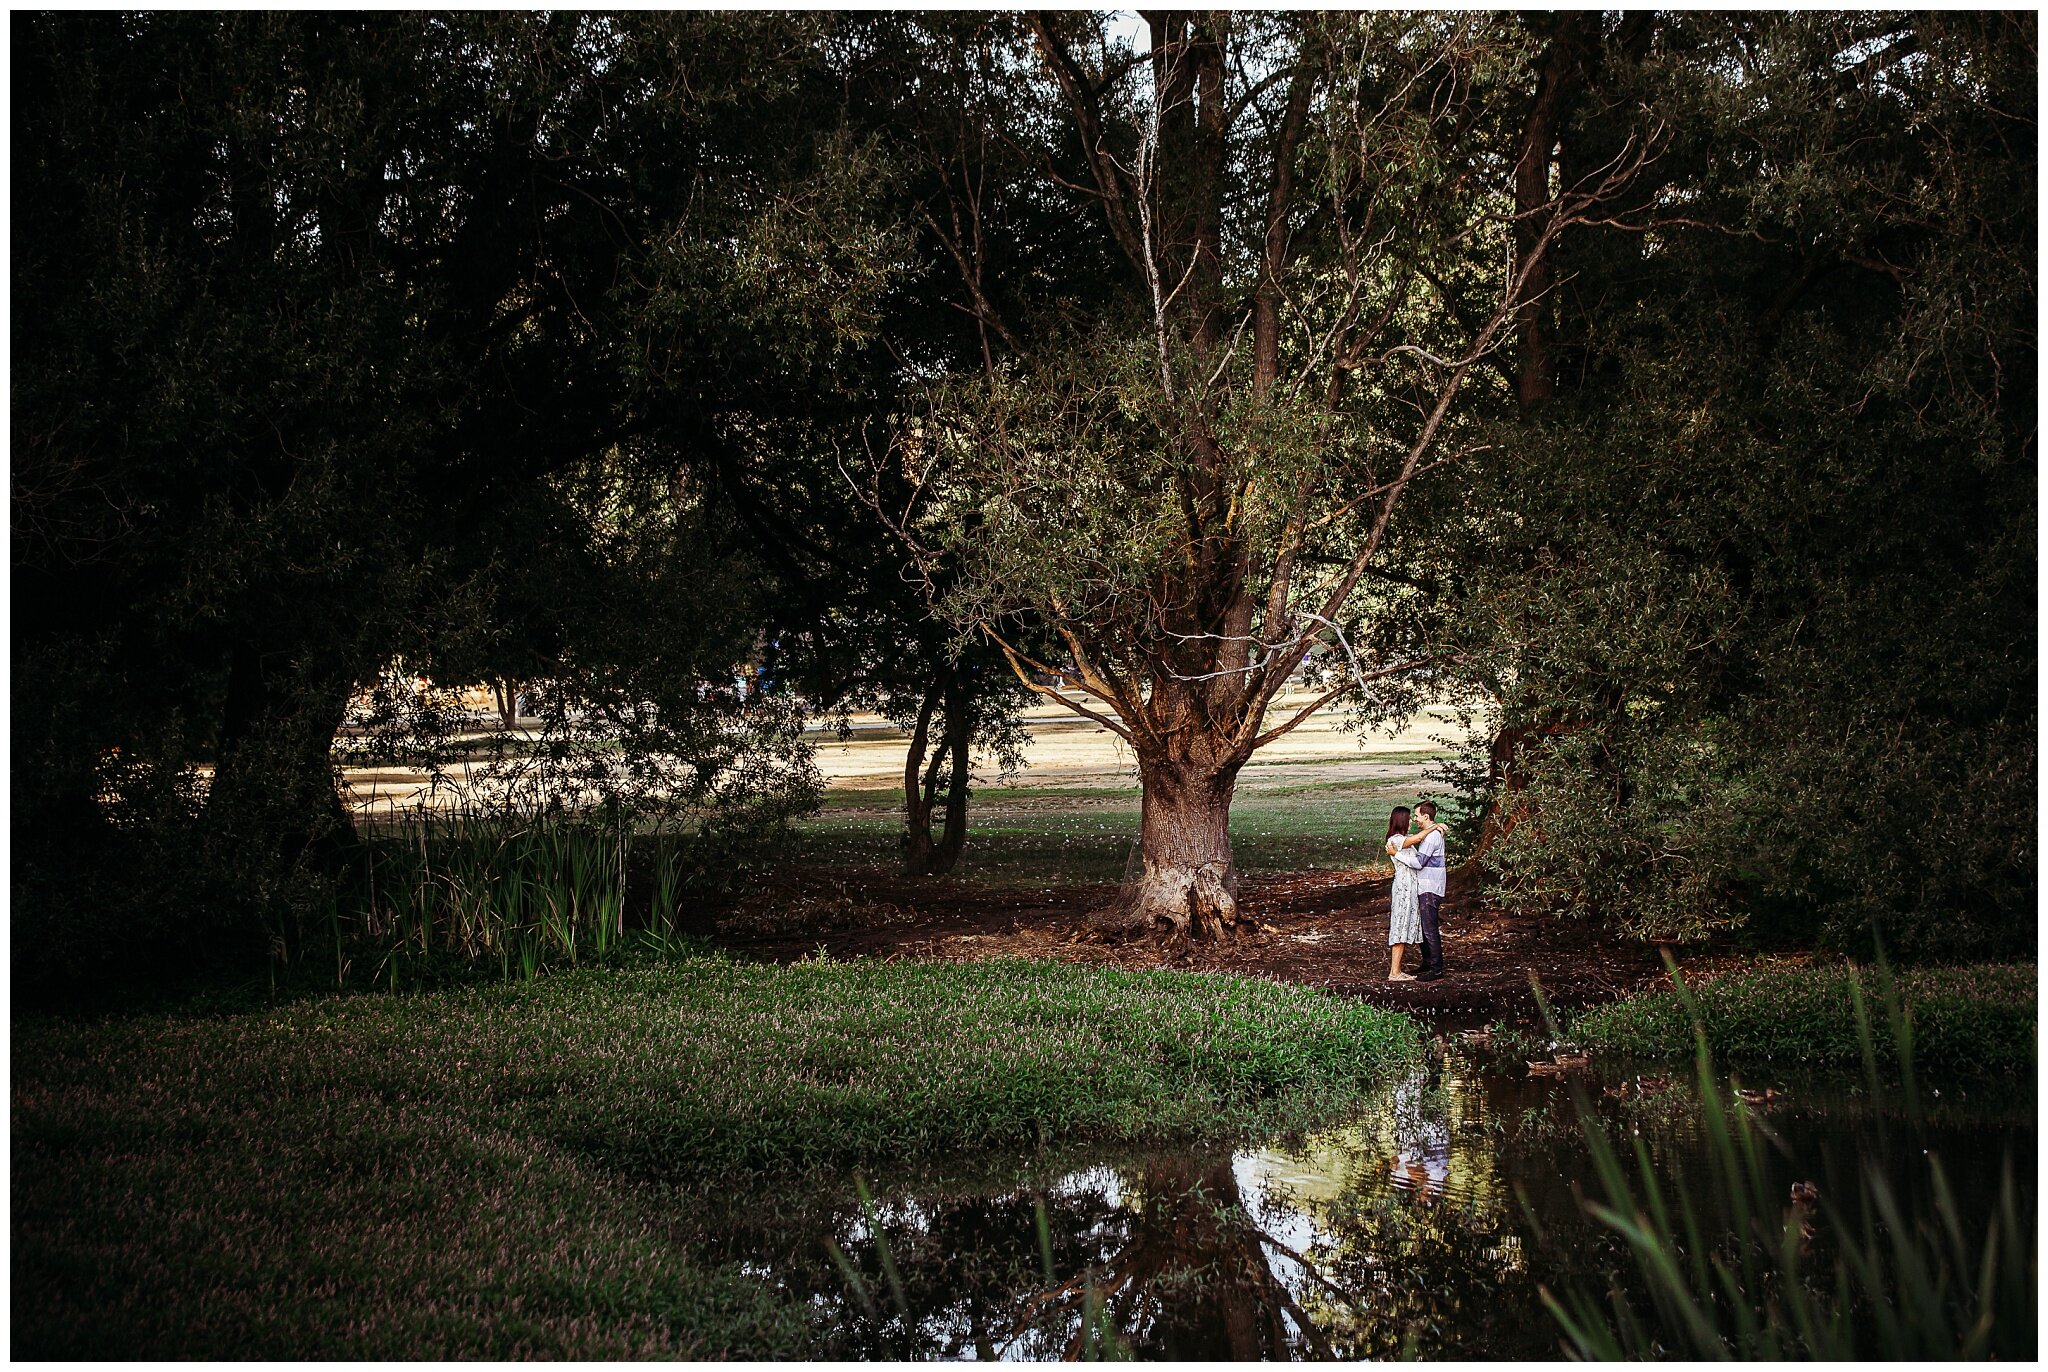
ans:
(1379, 1239)
(1422, 1142)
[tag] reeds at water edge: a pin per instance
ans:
(1899, 1278)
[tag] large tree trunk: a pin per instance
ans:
(1573, 44)
(1508, 773)
(508, 703)
(1504, 777)
(1189, 882)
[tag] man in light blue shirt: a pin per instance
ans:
(1429, 892)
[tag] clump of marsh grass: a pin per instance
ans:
(450, 894)
(520, 892)
(1906, 1278)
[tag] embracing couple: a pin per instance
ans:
(1418, 891)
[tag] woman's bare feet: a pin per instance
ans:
(1399, 976)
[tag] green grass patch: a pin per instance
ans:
(1973, 1019)
(890, 799)
(1049, 838)
(495, 1171)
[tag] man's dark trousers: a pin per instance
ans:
(1432, 941)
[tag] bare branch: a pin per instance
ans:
(1326, 697)
(1017, 661)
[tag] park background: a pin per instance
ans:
(483, 484)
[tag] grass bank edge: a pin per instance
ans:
(479, 1172)
(702, 1066)
(1975, 1020)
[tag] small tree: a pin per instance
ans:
(1184, 479)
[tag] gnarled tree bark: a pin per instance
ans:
(1189, 880)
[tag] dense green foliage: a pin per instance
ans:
(1747, 587)
(471, 1173)
(346, 338)
(1978, 1019)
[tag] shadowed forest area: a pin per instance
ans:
(568, 566)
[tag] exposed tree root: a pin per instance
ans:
(1197, 904)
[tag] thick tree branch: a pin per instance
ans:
(1279, 201)
(1086, 107)
(1018, 659)
(1326, 697)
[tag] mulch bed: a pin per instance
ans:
(1325, 929)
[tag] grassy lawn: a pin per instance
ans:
(1024, 837)
(1974, 1019)
(496, 1172)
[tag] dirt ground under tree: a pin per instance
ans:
(1325, 929)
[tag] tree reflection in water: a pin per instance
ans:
(1398, 1240)
(1423, 1226)
(1191, 1280)
(1159, 1256)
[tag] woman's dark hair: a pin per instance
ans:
(1397, 823)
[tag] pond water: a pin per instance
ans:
(1424, 1223)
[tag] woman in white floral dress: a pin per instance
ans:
(1404, 923)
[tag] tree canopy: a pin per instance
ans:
(1748, 583)
(1660, 385)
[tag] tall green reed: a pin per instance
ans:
(1916, 1278)
(451, 890)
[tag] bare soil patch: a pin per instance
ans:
(1326, 929)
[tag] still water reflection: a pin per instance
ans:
(1424, 1224)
